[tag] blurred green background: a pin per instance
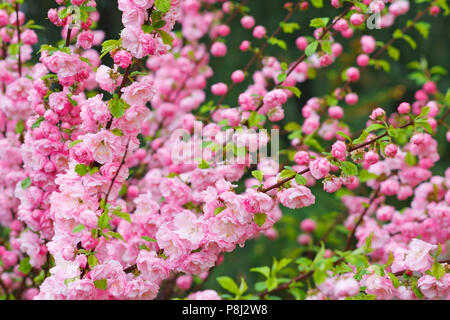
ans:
(375, 88)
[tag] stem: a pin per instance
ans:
(359, 146)
(227, 22)
(69, 33)
(122, 85)
(405, 28)
(4, 288)
(303, 57)
(117, 173)
(18, 39)
(261, 50)
(361, 217)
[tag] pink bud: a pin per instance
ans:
(238, 76)
(259, 32)
(244, 45)
(352, 74)
(391, 150)
(224, 30)
(301, 158)
(219, 89)
(301, 43)
(430, 87)
(247, 22)
(404, 108)
(308, 225)
(363, 60)
(335, 112)
(351, 98)
(304, 239)
(219, 49)
(377, 114)
(356, 19)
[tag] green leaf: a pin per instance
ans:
(255, 119)
(265, 271)
(275, 41)
(260, 218)
(109, 45)
(296, 91)
(443, 4)
(437, 270)
(37, 123)
(289, 27)
(373, 127)
(166, 37)
(410, 40)
(228, 284)
(365, 176)
(397, 34)
(73, 143)
(292, 126)
(78, 228)
(26, 183)
(101, 284)
(162, 5)
(20, 126)
(281, 77)
(425, 124)
(410, 159)
(117, 107)
(123, 215)
(81, 169)
(301, 180)
(25, 266)
(243, 287)
(423, 28)
(258, 174)
(92, 260)
(344, 135)
(103, 221)
(311, 48)
(394, 280)
(115, 235)
(287, 173)
(394, 53)
(319, 22)
(349, 168)
(424, 112)
(218, 210)
(438, 70)
(147, 238)
(317, 3)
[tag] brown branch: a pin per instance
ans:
(405, 28)
(261, 50)
(122, 85)
(197, 66)
(68, 36)
(117, 173)
(304, 56)
(18, 39)
(4, 288)
(359, 146)
(361, 217)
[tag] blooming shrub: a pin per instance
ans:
(101, 199)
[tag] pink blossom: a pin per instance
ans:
(319, 168)
(297, 197)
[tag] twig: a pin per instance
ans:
(18, 39)
(361, 217)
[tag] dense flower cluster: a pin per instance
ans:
(101, 200)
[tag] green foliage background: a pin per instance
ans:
(375, 88)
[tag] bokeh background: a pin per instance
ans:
(375, 88)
